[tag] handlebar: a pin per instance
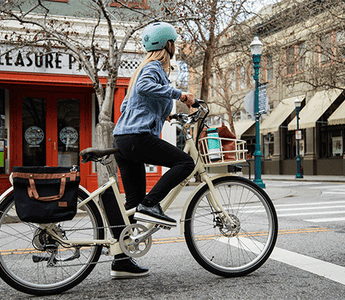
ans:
(197, 104)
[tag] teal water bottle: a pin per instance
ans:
(213, 144)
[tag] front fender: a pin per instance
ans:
(191, 196)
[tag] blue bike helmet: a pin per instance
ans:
(156, 35)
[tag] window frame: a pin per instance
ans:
(268, 68)
(242, 80)
(335, 47)
(328, 60)
(296, 60)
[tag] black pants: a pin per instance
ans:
(138, 149)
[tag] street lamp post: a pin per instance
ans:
(256, 49)
(298, 136)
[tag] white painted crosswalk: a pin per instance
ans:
(331, 210)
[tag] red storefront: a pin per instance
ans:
(47, 119)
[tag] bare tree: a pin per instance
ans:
(97, 46)
(223, 88)
(219, 29)
(308, 43)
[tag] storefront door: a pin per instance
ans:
(50, 128)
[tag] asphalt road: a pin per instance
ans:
(307, 263)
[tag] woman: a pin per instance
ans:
(148, 104)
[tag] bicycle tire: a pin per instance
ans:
(231, 252)
(24, 262)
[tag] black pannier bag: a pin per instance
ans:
(46, 194)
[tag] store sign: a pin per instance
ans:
(25, 60)
(38, 62)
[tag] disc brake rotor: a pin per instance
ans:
(227, 229)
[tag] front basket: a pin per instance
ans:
(227, 152)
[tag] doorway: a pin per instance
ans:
(50, 129)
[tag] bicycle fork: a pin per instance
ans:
(214, 201)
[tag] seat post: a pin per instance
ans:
(108, 164)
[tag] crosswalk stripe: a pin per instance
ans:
(328, 186)
(313, 208)
(334, 193)
(325, 220)
(312, 265)
(310, 213)
(303, 262)
(309, 204)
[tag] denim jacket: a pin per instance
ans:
(150, 102)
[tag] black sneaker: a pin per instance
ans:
(126, 268)
(153, 214)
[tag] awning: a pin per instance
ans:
(338, 117)
(242, 126)
(314, 109)
(278, 115)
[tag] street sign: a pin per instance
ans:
(263, 99)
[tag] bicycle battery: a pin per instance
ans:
(112, 212)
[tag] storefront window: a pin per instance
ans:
(290, 144)
(337, 145)
(268, 146)
(250, 146)
(332, 139)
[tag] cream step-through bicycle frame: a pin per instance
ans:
(114, 246)
(229, 223)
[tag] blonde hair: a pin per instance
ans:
(163, 56)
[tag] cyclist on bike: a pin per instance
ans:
(148, 104)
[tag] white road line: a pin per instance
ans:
(308, 204)
(311, 213)
(303, 262)
(312, 265)
(334, 193)
(329, 186)
(298, 209)
(325, 220)
(312, 208)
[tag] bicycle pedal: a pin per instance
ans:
(163, 226)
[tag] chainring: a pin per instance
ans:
(131, 241)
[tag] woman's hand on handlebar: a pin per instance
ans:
(187, 98)
(169, 118)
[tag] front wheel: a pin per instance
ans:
(32, 262)
(216, 245)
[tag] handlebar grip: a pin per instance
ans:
(196, 103)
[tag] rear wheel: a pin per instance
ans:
(220, 248)
(32, 262)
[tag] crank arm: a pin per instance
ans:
(142, 237)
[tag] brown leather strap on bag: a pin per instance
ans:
(32, 191)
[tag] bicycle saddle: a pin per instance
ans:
(93, 154)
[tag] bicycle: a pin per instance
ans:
(229, 223)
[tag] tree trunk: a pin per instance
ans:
(206, 73)
(104, 140)
(231, 122)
